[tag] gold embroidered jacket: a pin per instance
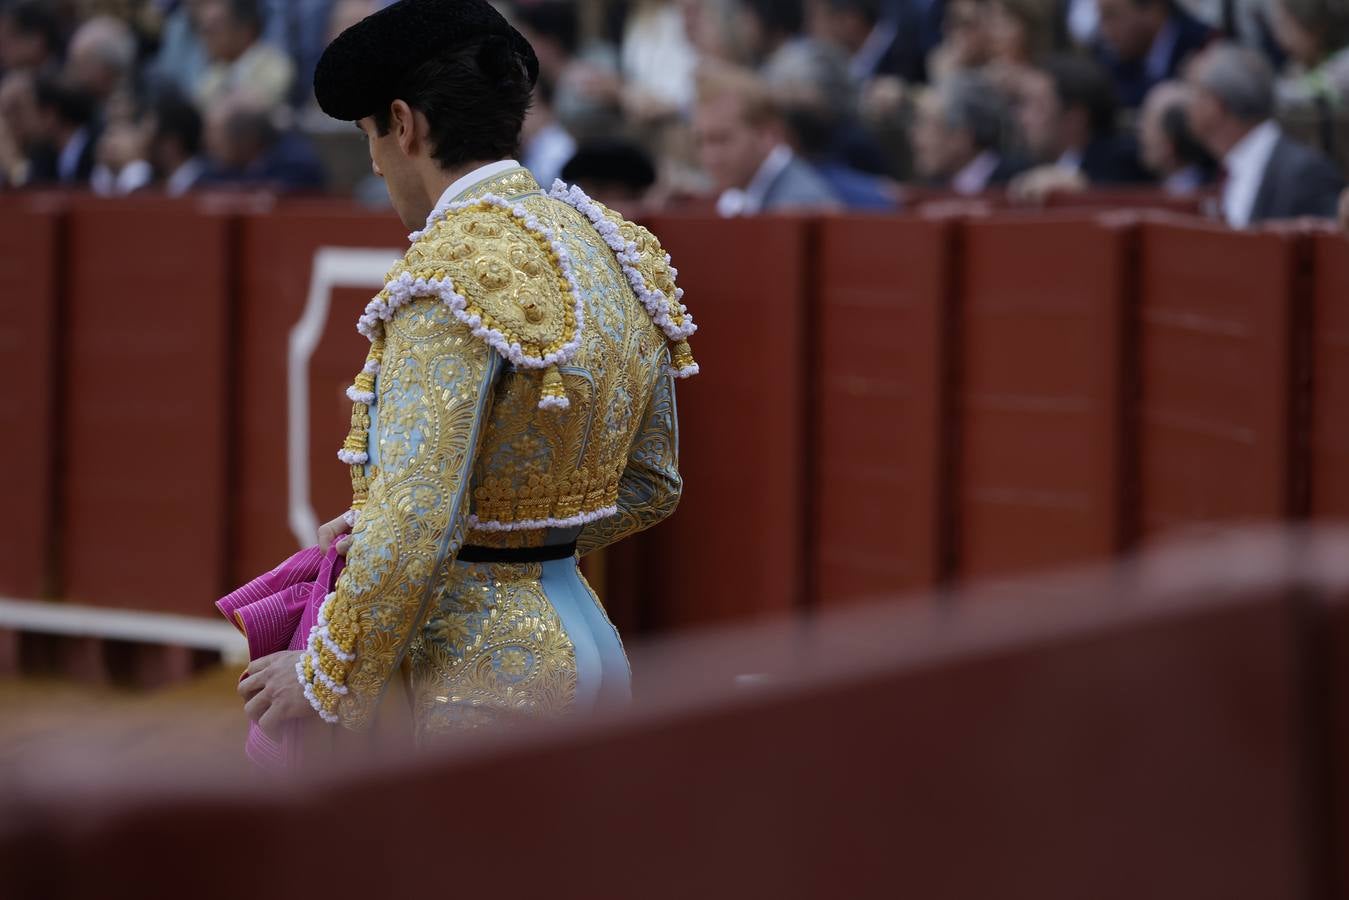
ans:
(520, 382)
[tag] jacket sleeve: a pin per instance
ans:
(433, 399)
(649, 488)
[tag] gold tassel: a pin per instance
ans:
(553, 393)
(683, 363)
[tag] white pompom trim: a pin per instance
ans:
(351, 517)
(356, 395)
(405, 288)
(554, 403)
(656, 303)
(353, 457)
(476, 524)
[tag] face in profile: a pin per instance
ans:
(389, 161)
(1038, 115)
(1127, 27)
(729, 147)
(939, 150)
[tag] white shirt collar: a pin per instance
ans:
(184, 177)
(467, 183)
(864, 62)
(974, 176)
(748, 201)
(1245, 164)
(1070, 159)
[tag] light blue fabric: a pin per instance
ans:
(602, 674)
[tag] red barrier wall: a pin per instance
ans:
(1043, 355)
(1330, 378)
(146, 343)
(1218, 311)
(879, 414)
(29, 241)
(736, 546)
(277, 264)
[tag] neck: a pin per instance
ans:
(1231, 135)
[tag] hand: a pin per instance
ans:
(272, 692)
(1037, 185)
(335, 531)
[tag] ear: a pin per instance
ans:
(403, 126)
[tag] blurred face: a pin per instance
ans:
(730, 148)
(1205, 115)
(18, 107)
(1128, 28)
(223, 39)
(1007, 39)
(1296, 40)
(19, 50)
(965, 32)
(1038, 114)
(1154, 146)
(939, 151)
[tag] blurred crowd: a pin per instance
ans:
(749, 105)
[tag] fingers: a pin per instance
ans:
(344, 545)
(330, 531)
(251, 685)
(258, 706)
(270, 723)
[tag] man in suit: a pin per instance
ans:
(1067, 118)
(1143, 42)
(959, 134)
(743, 146)
(67, 135)
(1269, 175)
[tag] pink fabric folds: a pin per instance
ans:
(275, 612)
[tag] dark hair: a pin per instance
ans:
(34, 17)
(870, 10)
(72, 105)
(247, 13)
(1079, 81)
(176, 118)
(556, 19)
(1176, 126)
(474, 98)
(779, 16)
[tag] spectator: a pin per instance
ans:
(617, 173)
(246, 149)
(579, 84)
(1269, 175)
(19, 129)
(1315, 35)
(878, 41)
(1067, 115)
(1142, 42)
(959, 135)
(181, 59)
(101, 59)
(238, 60)
(1024, 32)
(967, 40)
(742, 141)
(175, 143)
(545, 144)
(657, 60)
(30, 36)
(300, 29)
(66, 136)
(1167, 147)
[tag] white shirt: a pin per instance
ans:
(68, 163)
(1246, 163)
(550, 150)
(185, 177)
(749, 200)
(973, 178)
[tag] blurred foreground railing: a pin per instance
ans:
(1171, 727)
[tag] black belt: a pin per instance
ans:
(473, 554)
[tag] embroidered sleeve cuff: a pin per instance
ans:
(323, 667)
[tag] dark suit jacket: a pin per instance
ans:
(1132, 81)
(45, 161)
(1113, 160)
(1298, 182)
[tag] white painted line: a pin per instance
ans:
(334, 267)
(124, 625)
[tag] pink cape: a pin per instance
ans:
(275, 612)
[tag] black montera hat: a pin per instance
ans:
(363, 70)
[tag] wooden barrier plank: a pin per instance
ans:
(278, 265)
(29, 233)
(1043, 362)
(147, 374)
(737, 544)
(1330, 377)
(881, 398)
(1113, 735)
(1217, 312)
